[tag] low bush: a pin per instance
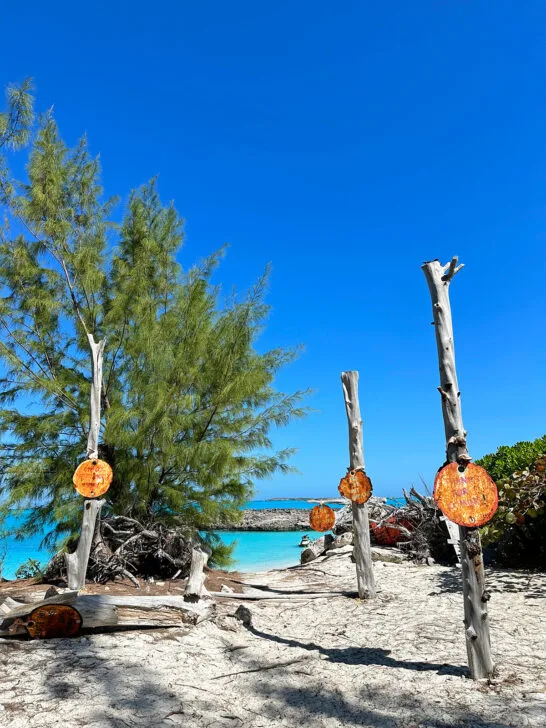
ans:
(518, 529)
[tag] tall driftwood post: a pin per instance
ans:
(76, 563)
(478, 643)
(361, 522)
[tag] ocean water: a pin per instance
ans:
(254, 550)
(259, 550)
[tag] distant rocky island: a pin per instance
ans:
(309, 500)
(269, 519)
(275, 519)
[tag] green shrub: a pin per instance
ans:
(518, 528)
(29, 570)
(510, 458)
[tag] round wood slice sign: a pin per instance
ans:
(356, 486)
(322, 518)
(92, 478)
(467, 496)
(54, 620)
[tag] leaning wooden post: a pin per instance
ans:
(76, 563)
(361, 522)
(478, 643)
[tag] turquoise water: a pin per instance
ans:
(259, 550)
(254, 550)
(13, 553)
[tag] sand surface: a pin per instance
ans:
(399, 661)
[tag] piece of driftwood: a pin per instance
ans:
(97, 355)
(454, 539)
(361, 522)
(111, 611)
(8, 605)
(126, 547)
(196, 579)
(76, 562)
(478, 643)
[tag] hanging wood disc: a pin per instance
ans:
(322, 518)
(54, 620)
(92, 478)
(356, 486)
(467, 496)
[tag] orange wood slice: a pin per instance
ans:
(322, 518)
(54, 620)
(92, 478)
(466, 496)
(356, 486)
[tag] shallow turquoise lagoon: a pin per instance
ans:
(260, 550)
(254, 550)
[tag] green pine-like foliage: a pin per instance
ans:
(188, 401)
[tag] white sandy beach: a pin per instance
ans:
(398, 661)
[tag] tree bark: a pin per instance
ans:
(478, 643)
(76, 563)
(361, 521)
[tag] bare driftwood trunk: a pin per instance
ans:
(361, 521)
(196, 579)
(478, 643)
(76, 563)
(105, 611)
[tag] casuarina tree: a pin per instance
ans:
(188, 400)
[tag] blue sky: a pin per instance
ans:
(346, 143)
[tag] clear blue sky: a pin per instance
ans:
(346, 143)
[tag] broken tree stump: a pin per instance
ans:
(196, 579)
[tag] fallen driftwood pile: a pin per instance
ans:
(105, 612)
(125, 547)
(417, 528)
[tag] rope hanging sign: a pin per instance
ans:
(356, 486)
(466, 495)
(322, 518)
(92, 478)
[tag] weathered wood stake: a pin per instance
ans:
(361, 522)
(478, 643)
(76, 563)
(97, 354)
(196, 579)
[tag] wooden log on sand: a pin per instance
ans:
(113, 611)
